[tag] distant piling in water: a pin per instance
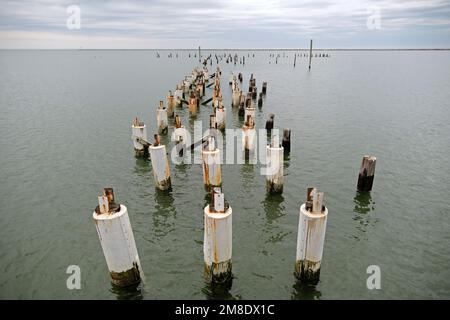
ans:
(366, 174)
(117, 240)
(217, 242)
(286, 140)
(311, 237)
(310, 53)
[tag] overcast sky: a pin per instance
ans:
(226, 24)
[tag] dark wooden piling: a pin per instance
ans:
(269, 122)
(286, 140)
(310, 53)
(366, 173)
(260, 100)
(264, 88)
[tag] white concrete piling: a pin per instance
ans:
(178, 96)
(161, 118)
(217, 242)
(275, 164)
(160, 164)
(250, 111)
(212, 173)
(311, 237)
(117, 240)
(139, 136)
(221, 117)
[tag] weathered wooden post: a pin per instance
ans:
(117, 240)
(275, 164)
(212, 173)
(310, 53)
(160, 164)
(170, 104)
(161, 118)
(254, 92)
(250, 111)
(199, 54)
(311, 237)
(139, 137)
(260, 100)
(366, 173)
(287, 140)
(264, 88)
(217, 242)
(269, 122)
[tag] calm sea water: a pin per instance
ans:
(65, 134)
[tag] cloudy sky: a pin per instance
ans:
(225, 24)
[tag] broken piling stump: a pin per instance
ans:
(287, 140)
(274, 168)
(366, 173)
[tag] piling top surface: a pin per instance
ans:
(280, 148)
(313, 215)
(217, 215)
(106, 216)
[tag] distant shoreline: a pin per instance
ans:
(222, 49)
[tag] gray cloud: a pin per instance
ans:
(159, 23)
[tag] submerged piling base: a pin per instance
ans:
(126, 278)
(307, 271)
(219, 272)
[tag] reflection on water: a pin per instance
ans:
(128, 293)
(273, 206)
(274, 209)
(248, 175)
(165, 215)
(142, 166)
(219, 291)
(363, 205)
(287, 158)
(305, 291)
(363, 202)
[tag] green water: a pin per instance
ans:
(65, 134)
